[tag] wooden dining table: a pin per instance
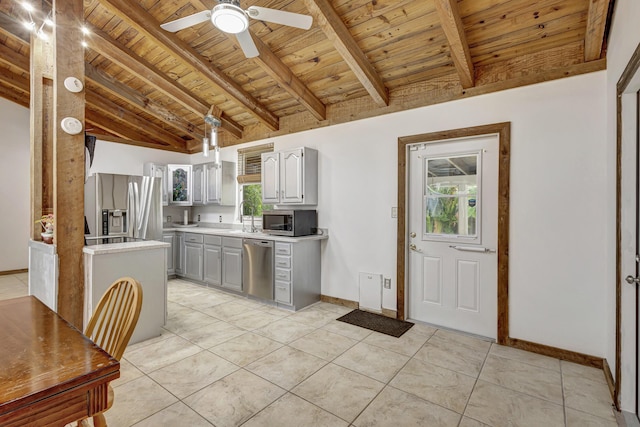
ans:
(50, 373)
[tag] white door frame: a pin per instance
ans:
(626, 332)
(504, 132)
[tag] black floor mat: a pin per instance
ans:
(377, 322)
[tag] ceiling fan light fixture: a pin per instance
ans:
(229, 18)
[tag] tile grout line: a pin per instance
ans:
(486, 356)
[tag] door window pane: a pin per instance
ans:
(451, 196)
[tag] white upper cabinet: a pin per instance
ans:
(159, 171)
(270, 178)
(180, 185)
(203, 184)
(290, 177)
(198, 184)
(220, 184)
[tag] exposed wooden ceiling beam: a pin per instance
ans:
(127, 59)
(454, 31)
(278, 71)
(9, 56)
(100, 42)
(596, 23)
(283, 75)
(14, 95)
(136, 99)
(114, 111)
(119, 129)
(108, 110)
(12, 27)
(105, 135)
(336, 31)
(133, 13)
(14, 80)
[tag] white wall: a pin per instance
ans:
(623, 40)
(14, 186)
(559, 165)
(557, 269)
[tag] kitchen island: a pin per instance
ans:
(145, 261)
(277, 270)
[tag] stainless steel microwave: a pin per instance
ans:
(290, 223)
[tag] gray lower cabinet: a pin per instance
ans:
(213, 260)
(194, 256)
(232, 263)
(179, 254)
(223, 262)
(170, 238)
(297, 273)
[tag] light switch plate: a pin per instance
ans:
(387, 283)
(394, 212)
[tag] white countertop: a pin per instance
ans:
(225, 232)
(111, 248)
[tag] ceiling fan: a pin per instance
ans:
(229, 17)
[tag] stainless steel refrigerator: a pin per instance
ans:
(120, 208)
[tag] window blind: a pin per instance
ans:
(250, 163)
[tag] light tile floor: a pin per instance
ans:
(223, 360)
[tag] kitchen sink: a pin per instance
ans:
(183, 225)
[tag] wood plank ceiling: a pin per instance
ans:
(361, 58)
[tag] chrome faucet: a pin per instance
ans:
(253, 227)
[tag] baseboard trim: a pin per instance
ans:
(610, 382)
(558, 353)
(340, 301)
(9, 272)
(390, 313)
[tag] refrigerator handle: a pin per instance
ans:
(132, 214)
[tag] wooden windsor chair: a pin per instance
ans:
(112, 324)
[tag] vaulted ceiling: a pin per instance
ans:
(361, 58)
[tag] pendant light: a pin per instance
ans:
(205, 142)
(215, 124)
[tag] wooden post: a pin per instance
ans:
(41, 111)
(68, 164)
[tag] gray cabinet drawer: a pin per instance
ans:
(232, 242)
(283, 248)
(282, 274)
(213, 240)
(283, 292)
(193, 238)
(283, 261)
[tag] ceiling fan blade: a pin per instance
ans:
(187, 21)
(246, 43)
(280, 17)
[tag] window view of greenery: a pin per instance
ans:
(252, 196)
(452, 196)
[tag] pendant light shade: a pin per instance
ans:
(214, 136)
(205, 146)
(216, 155)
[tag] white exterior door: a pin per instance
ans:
(453, 237)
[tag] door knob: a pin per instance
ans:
(414, 248)
(632, 280)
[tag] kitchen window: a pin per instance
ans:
(249, 178)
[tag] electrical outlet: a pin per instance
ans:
(198, 218)
(220, 218)
(387, 283)
(168, 218)
(394, 212)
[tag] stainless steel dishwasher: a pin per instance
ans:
(257, 268)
